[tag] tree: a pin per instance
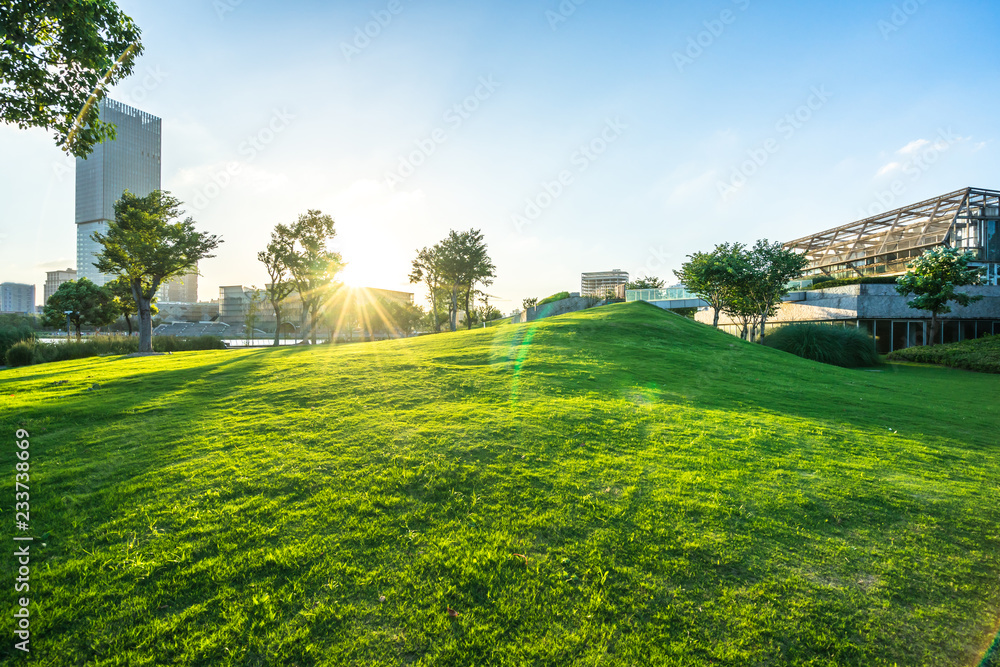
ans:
(933, 277)
(649, 282)
(426, 269)
(252, 299)
(311, 264)
(89, 303)
(278, 250)
(464, 263)
(712, 275)
(57, 59)
(403, 317)
(529, 303)
(759, 279)
(125, 302)
(148, 244)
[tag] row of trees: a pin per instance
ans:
(83, 302)
(746, 283)
(453, 271)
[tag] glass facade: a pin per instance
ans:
(130, 162)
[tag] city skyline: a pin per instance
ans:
(608, 138)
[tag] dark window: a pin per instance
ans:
(950, 332)
(899, 335)
(968, 329)
(883, 336)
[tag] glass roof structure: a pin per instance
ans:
(886, 243)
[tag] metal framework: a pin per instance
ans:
(886, 243)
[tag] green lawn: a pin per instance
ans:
(620, 486)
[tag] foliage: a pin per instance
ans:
(279, 250)
(464, 263)
(558, 296)
(713, 275)
(98, 346)
(824, 282)
(848, 347)
(649, 282)
(426, 268)
(932, 279)
(529, 303)
(981, 355)
(147, 244)
(760, 278)
(125, 301)
(11, 334)
(616, 486)
(403, 318)
(20, 320)
(53, 56)
(90, 304)
(20, 353)
(312, 265)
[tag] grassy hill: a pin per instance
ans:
(619, 486)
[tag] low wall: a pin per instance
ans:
(570, 305)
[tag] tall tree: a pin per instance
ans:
(773, 267)
(712, 275)
(57, 59)
(932, 279)
(87, 302)
(426, 269)
(464, 263)
(311, 264)
(127, 307)
(147, 244)
(278, 250)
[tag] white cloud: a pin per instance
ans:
(888, 169)
(913, 147)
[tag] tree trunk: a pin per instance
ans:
(76, 325)
(453, 310)
(468, 315)
(277, 325)
(934, 329)
(715, 319)
(763, 321)
(128, 321)
(145, 325)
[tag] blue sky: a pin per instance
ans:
(586, 136)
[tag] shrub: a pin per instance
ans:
(849, 347)
(116, 345)
(559, 296)
(981, 355)
(823, 282)
(20, 353)
(12, 333)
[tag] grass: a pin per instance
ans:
(618, 486)
(841, 346)
(981, 355)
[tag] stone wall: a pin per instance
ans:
(570, 305)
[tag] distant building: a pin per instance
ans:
(130, 162)
(53, 279)
(182, 289)
(17, 298)
(601, 282)
(235, 300)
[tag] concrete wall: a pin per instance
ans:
(570, 305)
(851, 302)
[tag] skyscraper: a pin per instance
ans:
(130, 162)
(17, 298)
(53, 279)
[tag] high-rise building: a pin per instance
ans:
(17, 298)
(130, 162)
(599, 283)
(53, 279)
(182, 289)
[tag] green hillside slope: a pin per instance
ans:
(619, 486)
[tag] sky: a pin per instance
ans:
(580, 135)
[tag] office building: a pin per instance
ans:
(17, 298)
(130, 162)
(182, 289)
(53, 279)
(600, 283)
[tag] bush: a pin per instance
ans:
(981, 355)
(849, 347)
(822, 282)
(20, 354)
(555, 297)
(116, 345)
(11, 334)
